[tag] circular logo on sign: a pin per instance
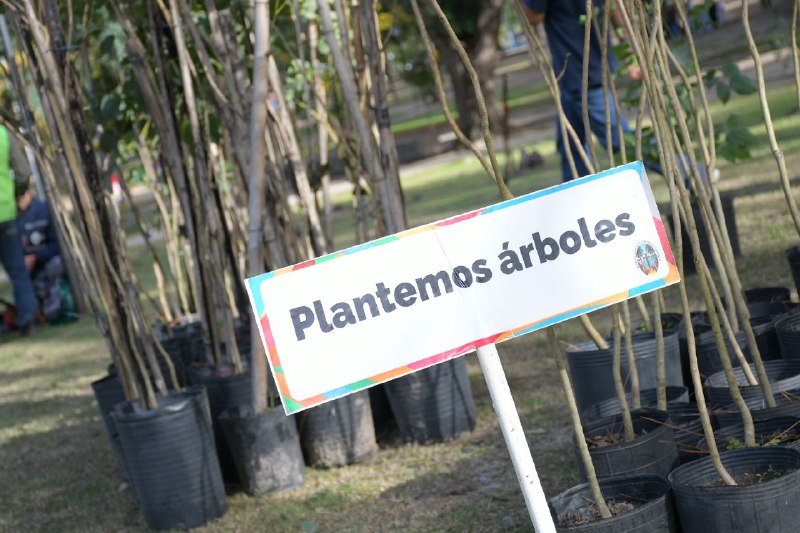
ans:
(646, 258)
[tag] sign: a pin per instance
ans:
(355, 318)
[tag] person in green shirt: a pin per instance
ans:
(13, 166)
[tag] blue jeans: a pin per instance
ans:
(573, 110)
(14, 262)
(596, 101)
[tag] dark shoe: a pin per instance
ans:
(27, 330)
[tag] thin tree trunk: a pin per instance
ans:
(580, 438)
(306, 195)
(321, 117)
(390, 207)
(258, 121)
(387, 148)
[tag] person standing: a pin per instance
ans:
(565, 29)
(13, 166)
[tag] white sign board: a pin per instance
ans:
(368, 314)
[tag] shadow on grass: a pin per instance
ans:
(64, 480)
(28, 412)
(479, 493)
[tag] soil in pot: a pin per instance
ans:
(339, 432)
(638, 503)
(647, 398)
(652, 451)
(265, 448)
(705, 505)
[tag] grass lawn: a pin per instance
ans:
(57, 472)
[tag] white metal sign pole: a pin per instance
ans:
(516, 442)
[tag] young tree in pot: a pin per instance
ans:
(668, 147)
(665, 145)
(705, 505)
(494, 172)
(186, 484)
(409, 396)
(264, 442)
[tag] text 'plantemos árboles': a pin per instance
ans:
(329, 317)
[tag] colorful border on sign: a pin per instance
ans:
(293, 405)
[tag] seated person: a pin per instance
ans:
(40, 246)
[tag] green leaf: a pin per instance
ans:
(736, 140)
(684, 59)
(107, 45)
(308, 9)
(743, 85)
(109, 107)
(108, 141)
(730, 70)
(723, 91)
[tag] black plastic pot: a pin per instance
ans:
(705, 505)
(648, 398)
(767, 295)
(708, 356)
(768, 301)
(766, 338)
(224, 391)
(699, 324)
(433, 404)
(793, 258)
(178, 354)
(265, 448)
(681, 412)
(787, 404)
(787, 328)
(108, 392)
(730, 222)
(770, 309)
(170, 456)
(653, 450)
(783, 376)
(685, 437)
(687, 429)
(645, 351)
(657, 515)
(591, 372)
(382, 416)
(339, 432)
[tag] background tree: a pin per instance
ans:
(477, 24)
